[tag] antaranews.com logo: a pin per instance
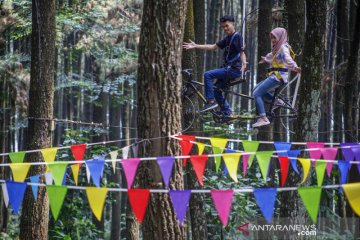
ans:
(296, 229)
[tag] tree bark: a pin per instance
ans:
(199, 28)
(159, 107)
(35, 215)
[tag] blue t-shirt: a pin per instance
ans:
(235, 48)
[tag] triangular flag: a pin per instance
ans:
(49, 154)
(320, 172)
(282, 148)
(218, 145)
(113, 156)
(344, 169)
(58, 170)
(125, 152)
(222, 200)
(17, 157)
(201, 147)
(311, 198)
(180, 200)
(316, 153)
(166, 165)
(306, 168)
(96, 197)
(245, 160)
(356, 151)
(34, 188)
(265, 199)
(135, 150)
(284, 166)
(16, 191)
(293, 154)
(75, 171)
(96, 168)
(138, 199)
(329, 154)
(56, 195)
(48, 178)
(5, 195)
(19, 171)
(78, 151)
(352, 191)
(347, 151)
(199, 163)
(232, 161)
(87, 174)
(130, 166)
(263, 159)
(250, 146)
(186, 144)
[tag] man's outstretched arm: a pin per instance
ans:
(207, 47)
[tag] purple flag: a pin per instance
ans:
(34, 188)
(265, 199)
(292, 154)
(180, 200)
(96, 167)
(347, 152)
(130, 166)
(166, 165)
(283, 147)
(356, 151)
(16, 191)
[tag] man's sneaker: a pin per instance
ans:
(209, 106)
(278, 103)
(262, 121)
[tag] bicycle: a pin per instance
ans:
(286, 112)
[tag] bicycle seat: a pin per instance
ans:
(187, 73)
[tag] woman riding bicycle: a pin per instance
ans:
(281, 62)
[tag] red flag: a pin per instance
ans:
(186, 145)
(78, 151)
(199, 163)
(284, 166)
(138, 199)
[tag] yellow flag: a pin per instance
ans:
(218, 145)
(19, 171)
(232, 161)
(352, 192)
(113, 156)
(49, 155)
(75, 170)
(96, 197)
(201, 148)
(306, 167)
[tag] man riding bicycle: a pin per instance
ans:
(234, 63)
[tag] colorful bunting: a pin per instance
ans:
(186, 145)
(344, 169)
(138, 199)
(311, 198)
(34, 188)
(48, 178)
(222, 200)
(17, 157)
(320, 172)
(58, 172)
(199, 163)
(306, 168)
(49, 154)
(96, 197)
(316, 153)
(125, 152)
(16, 191)
(232, 161)
(56, 195)
(250, 146)
(329, 154)
(284, 168)
(166, 165)
(282, 148)
(356, 151)
(347, 151)
(75, 171)
(292, 155)
(265, 199)
(352, 191)
(180, 200)
(263, 159)
(113, 156)
(245, 160)
(96, 168)
(19, 171)
(130, 167)
(78, 151)
(218, 145)
(201, 147)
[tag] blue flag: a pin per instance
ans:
(34, 188)
(180, 200)
(344, 169)
(265, 199)
(283, 148)
(166, 165)
(292, 155)
(96, 168)
(16, 191)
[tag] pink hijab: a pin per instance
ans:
(281, 36)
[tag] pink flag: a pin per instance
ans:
(222, 201)
(315, 154)
(245, 159)
(329, 154)
(130, 166)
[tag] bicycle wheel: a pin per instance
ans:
(189, 113)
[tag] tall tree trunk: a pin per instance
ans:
(199, 29)
(159, 106)
(35, 215)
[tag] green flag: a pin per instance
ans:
(250, 146)
(320, 172)
(56, 197)
(263, 159)
(17, 157)
(58, 171)
(311, 198)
